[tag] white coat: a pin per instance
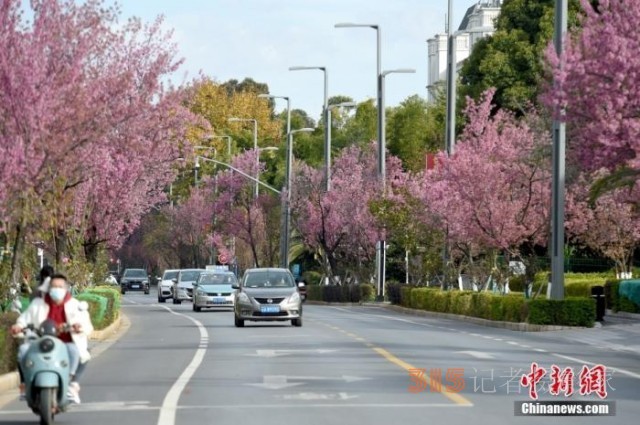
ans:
(75, 311)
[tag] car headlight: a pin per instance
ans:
(201, 293)
(243, 298)
(294, 298)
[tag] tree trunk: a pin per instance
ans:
(18, 248)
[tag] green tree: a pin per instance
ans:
(511, 59)
(409, 131)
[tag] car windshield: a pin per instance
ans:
(268, 279)
(189, 275)
(135, 273)
(216, 288)
(216, 279)
(170, 275)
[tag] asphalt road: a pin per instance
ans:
(346, 365)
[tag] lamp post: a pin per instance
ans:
(284, 242)
(197, 164)
(223, 136)
(382, 167)
(327, 121)
(287, 219)
(255, 147)
(378, 78)
(558, 172)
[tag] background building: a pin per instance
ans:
(477, 22)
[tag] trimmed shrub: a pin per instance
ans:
(569, 312)
(514, 308)
(8, 344)
(394, 292)
(311, 277)
(97, 309)
(113, 301)
(314, 292)
(405, 296)
(367, 292)
(617, 302)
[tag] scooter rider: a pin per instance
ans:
(59, 306)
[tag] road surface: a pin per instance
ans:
(346, 365)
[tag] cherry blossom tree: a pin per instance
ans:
(494, 192)
(610, 225)
(88, 131)
(340, 225)
(596, 86)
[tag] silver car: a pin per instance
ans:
(267, 295)
(182, 289)
(165, 285)
(214, 289)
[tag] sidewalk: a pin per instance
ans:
(99, 342)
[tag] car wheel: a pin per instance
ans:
(146, 292)
(238, 322)
(162, 299)
(175, 301)
(297, 322)
(196, 308)
(178, 301)
(123, 292)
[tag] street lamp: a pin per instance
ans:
(197, 164)
(327, 125)
(223, 137)
(378, 76)
(382, 167)
(286, 236)
(284, 247)
(255, 145)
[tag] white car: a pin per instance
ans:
(214, 289)
(165, 284)
(183, 284)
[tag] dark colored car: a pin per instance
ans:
(134, 280)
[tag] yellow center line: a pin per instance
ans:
(455, 397)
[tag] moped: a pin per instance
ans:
(46, 371)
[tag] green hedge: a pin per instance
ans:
(314, 292)
(97, 309)
(341, 293)
(311, 277)
(573, 311)
(577, 311)
(617, 302)
(113, 297)
(8, 344)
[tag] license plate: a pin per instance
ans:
(270, 309)
(135, 286)
(219, 300)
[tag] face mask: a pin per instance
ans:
(57, 294)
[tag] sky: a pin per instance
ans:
(261, 39)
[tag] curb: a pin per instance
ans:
(10, 381)
(622, 315)
(105, 333)
(520, 327)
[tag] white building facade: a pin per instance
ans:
(478, 22)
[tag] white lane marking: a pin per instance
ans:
(477, 354)
(324, 405)
(616, 369)
(319, 396)
(513, 343)
(170, 403)
(280, 353)
(540, 350)
(261, 406)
